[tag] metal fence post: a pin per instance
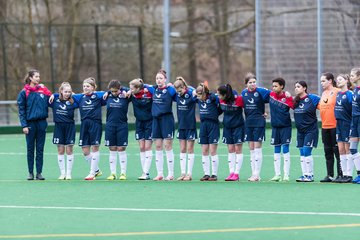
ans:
(141, 53)
(51, 55)
(258, 42)
(98, 63)
(319, 44)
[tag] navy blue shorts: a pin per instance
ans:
(255, 134)
(355, 127)
(116, 135)
(233, 135)
(342, 131)
(90, 133)
(163, 127)
(209, 132)
(143, 130)
(64, 134)
(187, 134)
(308, 139)
(280, 136)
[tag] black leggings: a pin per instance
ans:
(331, 149)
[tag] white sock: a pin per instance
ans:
(206, 164)
(231, 161)
(277, 164)
(303, 165)
(159, 160)
(309, 166)
(113, 161)
(239, 162)
(88, 159)
(356, 159)
(191, 159)
(123, 161)
(148, 159)
(286, 164)
(170, 162)
(61, 163)
(350, 165)
(343, 163)
(142, 160)
(69, 165)
(258, 161)
(252, 161)
(95, 162)
(183, 163)
(215, 164)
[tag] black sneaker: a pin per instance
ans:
(327, 179)
(338, 179)
(347, 179)
(213, 178)
(205, 178)
(39, 177)
(30, 177)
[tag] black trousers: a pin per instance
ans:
(331, 150)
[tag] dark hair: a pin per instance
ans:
(280, 81)
(330, 76)
(297, 98)
(249, 76)
(30, 74)
(180, 82)
(347, 78)
(114, 84)
(227, 91)
(163, 72)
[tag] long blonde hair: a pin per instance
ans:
(62, 86)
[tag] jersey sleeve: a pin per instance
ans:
(172, 92)
(315, 99)
(239, 101)
(150, 88)
(265, 93)
(21, 102)
(349, 95)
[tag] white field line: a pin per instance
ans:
(181, 210)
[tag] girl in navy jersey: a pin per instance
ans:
(343, 107)
(280, 103)
(307, 130)
(355, 122)
(209, 130)
(187, 127)
(90, 103)
(234, 129)
(116, 129)
(254, 107)
(142, 101)
(32, 102)
(163, 126)
(64, 132)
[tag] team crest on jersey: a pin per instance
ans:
(186, 95)
(344, 96)
(283, 99)
(208, 101)
(245, 94)
(88, 101)
(63, 107)
(164, 90)
(41, 95)
(57, 100)
(67, 103)
(256, 94)
(203, 105)
(307, 99)
(93, 96)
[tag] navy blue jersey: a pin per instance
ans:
(343, 106)
(233, 112)
(90, 105)
(117, 109)
(33, 105)
(305, 113)
(142, 102)
(186, 104)
(63, 111)
(356, 102)
(209, 109)
(162, 99)
(254, 106)
(280, 109)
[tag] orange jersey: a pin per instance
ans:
(326, 107)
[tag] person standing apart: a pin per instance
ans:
(328, 129)
(254, 108)
(343, 109)
(280, 103)
(64, 132)
(32, 102)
